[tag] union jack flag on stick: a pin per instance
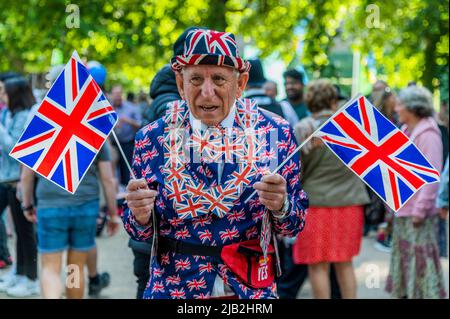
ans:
(68, 129)
(375, 150)
(378, 152)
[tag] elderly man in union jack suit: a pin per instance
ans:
(196, 169)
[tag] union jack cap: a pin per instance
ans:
(210, 47)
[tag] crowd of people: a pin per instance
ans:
(342, 209)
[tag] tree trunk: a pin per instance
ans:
(217, 15)
(430, 65)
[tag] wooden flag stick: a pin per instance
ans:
(122, 153)
(154, 220)
(285, 161)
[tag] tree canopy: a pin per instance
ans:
(134, 38)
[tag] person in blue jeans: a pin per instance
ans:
(69, 222)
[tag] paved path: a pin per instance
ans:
(371, 267)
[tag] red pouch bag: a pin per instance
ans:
(246, 261)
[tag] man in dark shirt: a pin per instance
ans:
(294, 84)
(255, 91)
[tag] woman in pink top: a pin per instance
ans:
(415, 270)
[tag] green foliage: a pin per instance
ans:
(133, 38)
(411, 42)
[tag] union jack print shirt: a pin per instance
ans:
(176, 276)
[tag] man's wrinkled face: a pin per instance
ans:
(294, 88)
(210, 91)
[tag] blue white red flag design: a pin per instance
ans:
(378, 152)
(68, 129)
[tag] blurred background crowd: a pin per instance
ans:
(304, 73)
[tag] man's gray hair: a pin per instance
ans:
(418, 100)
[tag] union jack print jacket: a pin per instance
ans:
(177, 276)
